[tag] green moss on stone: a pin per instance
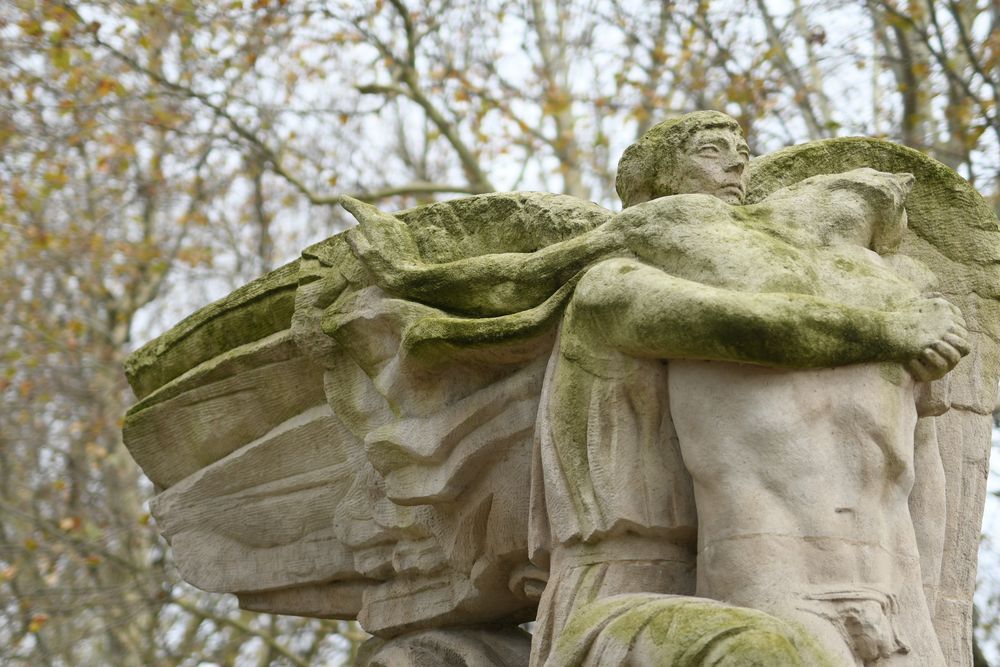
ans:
(256, 310)
(686, 632)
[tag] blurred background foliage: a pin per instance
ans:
(156, 155)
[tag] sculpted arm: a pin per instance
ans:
(488, 284)
(644, 312)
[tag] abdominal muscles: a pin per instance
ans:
(801, 477)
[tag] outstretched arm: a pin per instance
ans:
(486, 285)
(644, 312)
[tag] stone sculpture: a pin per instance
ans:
(744, 421)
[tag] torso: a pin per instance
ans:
(801, 476)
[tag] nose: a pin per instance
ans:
(735, 164)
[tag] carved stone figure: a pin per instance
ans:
(610, 398)
(719, 426)
(618, 499)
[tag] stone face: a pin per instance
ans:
(523, 406)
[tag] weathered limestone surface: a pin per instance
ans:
(737, 422)
(676, 630)
(953, 231)
(255, 310)
(449, 647)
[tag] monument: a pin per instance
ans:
(744, 421)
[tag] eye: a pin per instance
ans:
(708, 149)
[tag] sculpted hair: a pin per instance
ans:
(644, 161)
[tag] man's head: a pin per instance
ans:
(701, 152)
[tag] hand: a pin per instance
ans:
(935, 361)
(384, 244)
(935, 336)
